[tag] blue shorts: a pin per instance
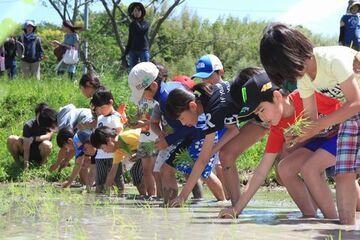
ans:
(194, 151)
(327, 144)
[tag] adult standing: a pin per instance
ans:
(33, 51)
(137, 47)
(71, 40)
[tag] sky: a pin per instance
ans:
(320, 16)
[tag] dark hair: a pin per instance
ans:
(40, 107)
(163, 71)
(48, 118)
(101, 97)
(243, 76)
(100, 135)
(90, 80)
(179, 99)
(283, 52)
(63, 136)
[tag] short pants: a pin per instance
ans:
(348, 145)
(194, 148)
(327, 144)
(145, 150)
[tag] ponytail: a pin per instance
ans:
(203, 93)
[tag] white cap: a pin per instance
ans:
(140, 77)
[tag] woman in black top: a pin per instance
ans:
(137, 47)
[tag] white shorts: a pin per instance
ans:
(164, 155)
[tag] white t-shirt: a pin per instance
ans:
(334, 65)
(146, 110)
(111, 121)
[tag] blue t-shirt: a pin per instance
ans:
(180, 131)
(78, 146)
(352, 30)
(71, 39)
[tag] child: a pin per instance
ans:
(35, 144)
(123, 145)
(147, 137)
(69, 117)
(210, 70)
(349, 27)
(222, 112)
(80, 143)
(144, 81)
(274, 106)
(103, 102)
(287, 54)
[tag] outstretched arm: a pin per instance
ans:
(254, 183)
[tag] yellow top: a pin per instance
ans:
(130, 141)
(334, 65)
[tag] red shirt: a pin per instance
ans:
(325, 106)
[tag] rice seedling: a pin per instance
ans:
(183, 158)
(297, 128)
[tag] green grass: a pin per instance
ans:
(19, 97)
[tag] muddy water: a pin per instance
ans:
(46, 214)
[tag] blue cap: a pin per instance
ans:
(207, 65)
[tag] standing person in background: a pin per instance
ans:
(71, 40)
(10, 54)
(137, 47)
(33, 51)
(2, 60)
(350, 26)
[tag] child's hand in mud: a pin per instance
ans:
(229, 213)
(177, 202)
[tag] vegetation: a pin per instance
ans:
(179, 43)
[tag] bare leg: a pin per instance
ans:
(358, 195)
(312, 172)
(215, 187)
(158, 184)
(220, 174)
(289, 169)
(169, 184)
(45, 150)
(15, 147)
(249, 134)
(197, 190)
(148, 166)
(346, 197)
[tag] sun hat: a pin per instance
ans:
(29, 23)
(207, 65)
(140, 77)
(136, 4)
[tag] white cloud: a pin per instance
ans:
(317, 15)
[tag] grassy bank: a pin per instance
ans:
(19, 97)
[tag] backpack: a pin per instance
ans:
(31, 54)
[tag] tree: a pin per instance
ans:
(67, 9)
